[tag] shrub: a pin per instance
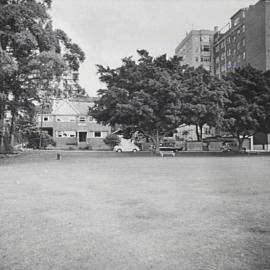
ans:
(112, 140)
(87, 147)
(38, 139)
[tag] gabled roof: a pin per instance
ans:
(71, 107)
(82, 107)
(63, 107)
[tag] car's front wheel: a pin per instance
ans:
(119, 150)
(134, 150)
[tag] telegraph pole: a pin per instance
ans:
(41, 124)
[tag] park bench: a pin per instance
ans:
(167, 153)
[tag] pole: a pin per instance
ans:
(41, 124)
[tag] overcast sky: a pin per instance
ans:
(109, 30)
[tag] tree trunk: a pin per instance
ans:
(12, 129)
(240, 141)
(198, 133)
(2, 121)
(2, 124)
(155, 138)
(201, 131)
(157, 142)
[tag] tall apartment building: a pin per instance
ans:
(245, 41)
(195, 49)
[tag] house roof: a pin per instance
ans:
(78, 106)
(72, 106)
(81, 107)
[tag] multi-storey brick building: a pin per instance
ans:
(246, 40)
(195, 49)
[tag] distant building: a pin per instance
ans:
(246, 40)
(195, 49)
(68, 122)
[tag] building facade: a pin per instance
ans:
(195, 49)
(68, 122)
(245, 40)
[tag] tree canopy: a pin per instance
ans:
(156, 95)
(142, 95)
(32, 55)
(247, 111)
(204, 99)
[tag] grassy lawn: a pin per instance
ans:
(125, 211)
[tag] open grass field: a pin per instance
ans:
(131, 211)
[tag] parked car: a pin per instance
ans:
(126, 148)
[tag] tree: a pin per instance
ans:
(7, 68)
(38, 139)
(143, 95)
(204, 99)
(248, 109)
(112, 140)
(37, 56)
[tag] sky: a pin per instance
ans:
(109, 30)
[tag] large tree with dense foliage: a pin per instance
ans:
(35, 55)
(156, 95)
(143, 95)
(203, 99)
(249, 106)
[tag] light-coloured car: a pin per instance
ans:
(126, 148)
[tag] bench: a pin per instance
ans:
(167, 153)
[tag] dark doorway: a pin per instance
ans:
(82, 136)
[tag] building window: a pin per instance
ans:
(243, 28)
(234, 51)
(217, 48)
(97, 134)
(223, 56)
(236, 21)
(229, 52)
(45, 118)
(65, 134)
(234, 39)
(205, 59)
(229, 40)
(205, 48)
(238, 45)
(58, 134)
(238, 58)
(82, 119)
(205, 38)
(243, 42)
(65, 118)
(229, 64)
(238, 32)
(244, 55)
